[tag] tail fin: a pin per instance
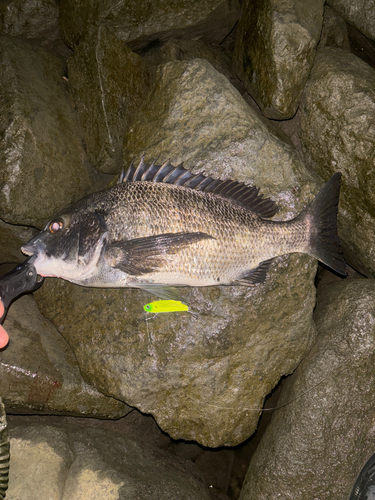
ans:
(325, 243)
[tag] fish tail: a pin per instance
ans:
(325, 243)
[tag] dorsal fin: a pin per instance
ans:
(246, 196)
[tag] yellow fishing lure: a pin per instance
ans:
(165, 306)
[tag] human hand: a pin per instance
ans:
(4, 337)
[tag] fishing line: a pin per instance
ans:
(278, 407)
(147, 319)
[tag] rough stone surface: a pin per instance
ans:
(184, 50)
(11, 239)
(108, 82)
(38, 130)
(195, 116)
(316, 446)
(216, 467)
(361, 14)
(275, 49)
(72, 463)
(198, 374)
(39, 373)
(337, 130)
(203, 375)
(361, 46)
(334, 31)
(144, 23)
(30, 18)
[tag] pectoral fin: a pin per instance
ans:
(145, 255)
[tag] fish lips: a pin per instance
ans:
(50, 257)
(34, 246)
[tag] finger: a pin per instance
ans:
(4, 337)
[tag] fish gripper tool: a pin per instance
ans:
(22, 279)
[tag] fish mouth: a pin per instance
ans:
(29, 250)
(39, 259)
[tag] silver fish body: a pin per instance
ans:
(163, 226)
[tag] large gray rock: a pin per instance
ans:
(361, 14)
(275, 49)
(318, 442)
(193, 114)
(141, 23)
(184, 50)
(41, 155)
(334, 31)
(11, 239)
(30, 18)
(108, 83)
(39, 373)
(337, 134)
(198, 374)
(72, 463)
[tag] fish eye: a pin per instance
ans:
(56, 225)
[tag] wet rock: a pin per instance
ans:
(336, 131)
(145, 23)
(216, 467)
(185, 50)
(72, 463)
(194, 115)
(275, 50)
(334, 31)
(198, 374)
(361, 14)
(361, 46)
(305, 451)
(215, 464)
(218, 495)
(30, 19)
(108, 83)
(11, 239)
(38, 371)
(38, 129)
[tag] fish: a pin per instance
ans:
(165, 306)
(162, 227)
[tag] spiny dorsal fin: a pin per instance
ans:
(246, 196)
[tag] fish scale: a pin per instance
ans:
(177, 228)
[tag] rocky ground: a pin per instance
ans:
(107, 401)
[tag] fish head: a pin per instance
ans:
(70, 246)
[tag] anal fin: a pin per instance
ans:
(256, 275)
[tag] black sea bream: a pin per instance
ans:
(163, 226)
